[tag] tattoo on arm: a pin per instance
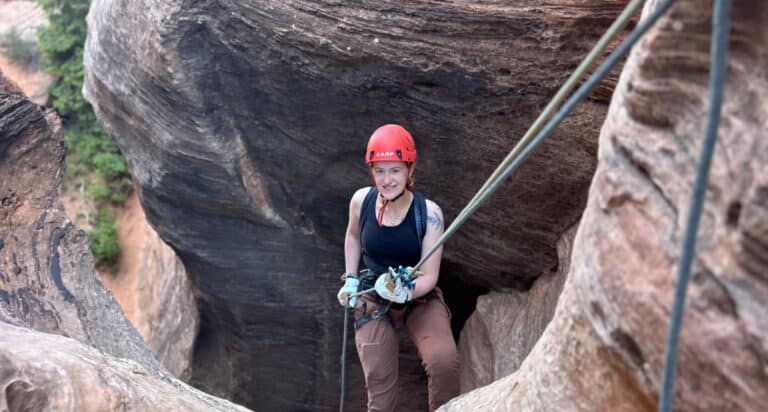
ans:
(434, 219)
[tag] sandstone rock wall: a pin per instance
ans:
(604, 348)
(154, 291)
(64, 342)
(45, 372)
(507, 324)
(47, 279)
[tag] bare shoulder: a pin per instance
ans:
(434, 215)
(433, 207)
(359, 196)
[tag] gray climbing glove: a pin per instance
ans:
(350, 287)
(393, 286)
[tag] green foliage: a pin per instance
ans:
(92, 154)
(23, 52)
(104, 244)
(99, 192)
(61, 42)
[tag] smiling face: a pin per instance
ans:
(391, 178)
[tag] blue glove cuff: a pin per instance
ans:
(405, 277)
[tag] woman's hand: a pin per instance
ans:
(350, 288)
(390, 286)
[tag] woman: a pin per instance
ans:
(392, 226)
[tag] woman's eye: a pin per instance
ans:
(392, 172)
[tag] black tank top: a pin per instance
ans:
(385, 246)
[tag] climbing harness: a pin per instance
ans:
(527, 144)
(405, 275)
(717, 78)
(366, 280)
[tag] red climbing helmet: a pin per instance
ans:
(391, 142)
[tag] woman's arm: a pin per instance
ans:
(430, 268)
(352, 248)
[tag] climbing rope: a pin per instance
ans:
(518, 154)
(717, 77)
(344, 358)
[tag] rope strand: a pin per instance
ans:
(717, 79)
(344, 359)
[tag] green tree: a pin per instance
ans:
(104, 244)
(92, 154)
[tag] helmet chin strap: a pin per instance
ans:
(380, 217)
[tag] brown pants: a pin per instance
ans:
(429, 328)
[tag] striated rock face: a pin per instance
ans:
(154, 291)
(244, 125)
(604, 348)
(64, 343)
(47, 372)
(47, 279)
(506, 325)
